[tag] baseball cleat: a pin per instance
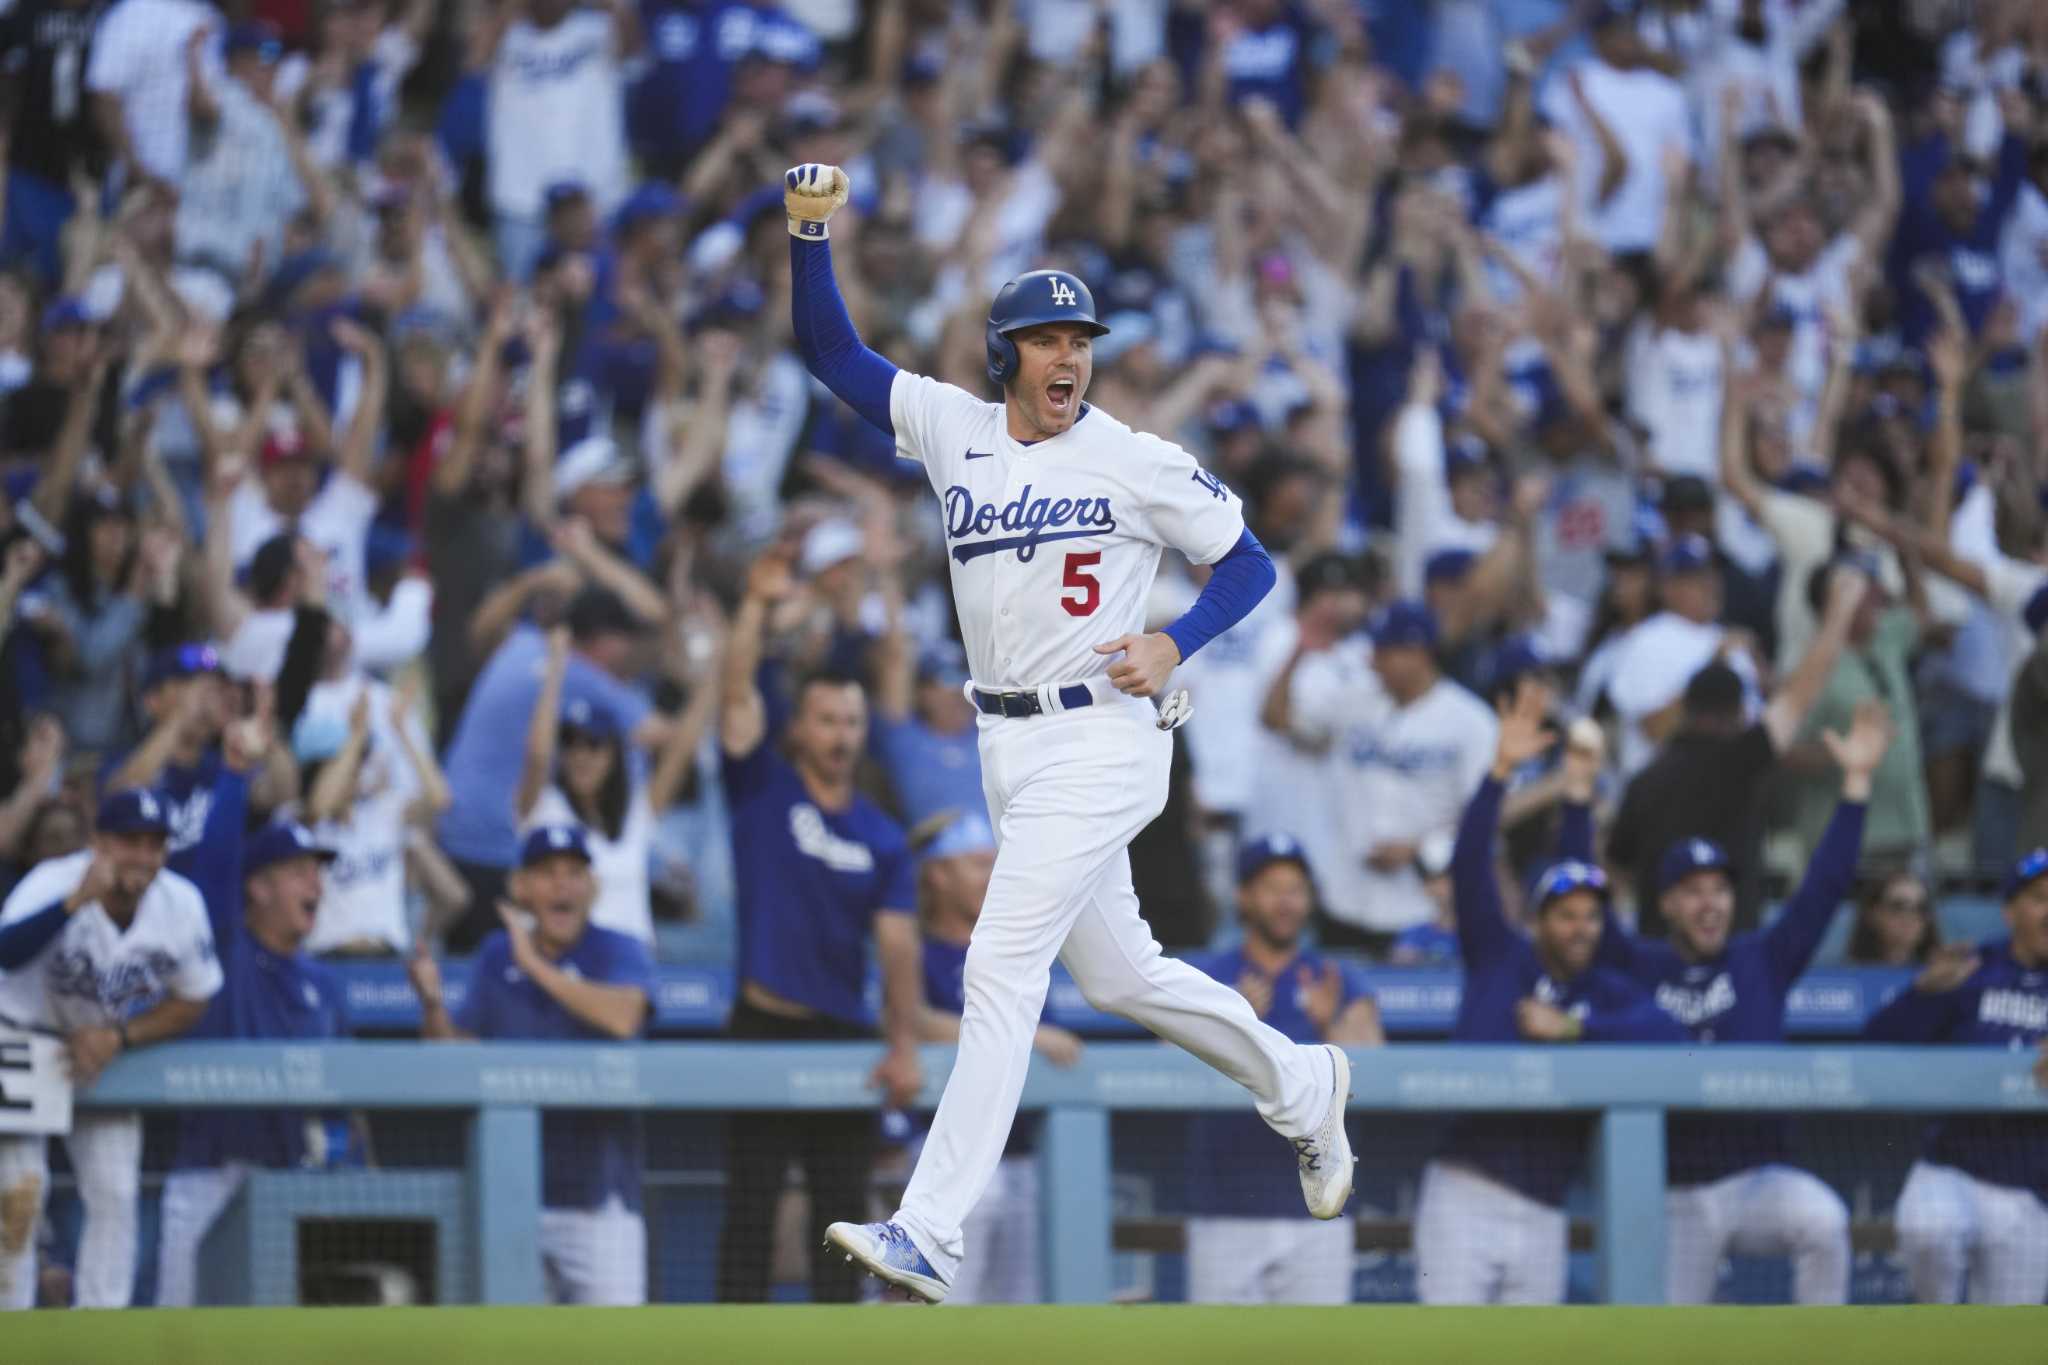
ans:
(1324, 1157)
(886, 1252)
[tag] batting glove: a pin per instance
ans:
(1176, 710)
(812, 193)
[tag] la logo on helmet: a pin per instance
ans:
(1062, 295)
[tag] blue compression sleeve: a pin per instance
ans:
(23, 939)
(1241, 578)
(831, 349)
(1483, 934)
(1792, 939)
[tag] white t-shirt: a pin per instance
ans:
(1228, 680)
(1808, 296)
(1528, 221)
(1805, 530)
(556, 112)
(1674, 390)
(620, 864)
(2012, 584)
(1650, 669)
(1424, 520)
(364, 898)
(1296, 787)
(1646, 112)
(94, 973)
(240, 190)
(255, 653)
(138, 53)
(1404, 774)
(1053, 546)
(2023, 256)
(335, 520)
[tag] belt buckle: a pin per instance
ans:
(1020, 705)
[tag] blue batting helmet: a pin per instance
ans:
(1031, 300)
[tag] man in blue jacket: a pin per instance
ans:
(1972, 1209)
(1490, 1226)
(272, 990)
(1733, 1187)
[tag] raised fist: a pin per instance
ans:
(812, 193)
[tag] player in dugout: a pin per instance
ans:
(1490, 1225)
(1733, 1184)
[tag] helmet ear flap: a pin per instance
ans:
(1002, 357)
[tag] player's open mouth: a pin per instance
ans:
(1060, 393)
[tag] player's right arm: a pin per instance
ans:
(36, 911)
(743, 714)
(1483, 931)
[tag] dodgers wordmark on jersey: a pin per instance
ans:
(94, 973)
(1053, 545)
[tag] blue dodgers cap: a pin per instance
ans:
(2029, 869)
(563, 192)
(967, 833)
(1466, 454)
(1231, 416)
(254, 36)
(1561, 879)
(585, 717)
(1687, 554)
(1261, 853)
(180, 661)
(135, 811)
(1686, 857)
(1447, 566)
(1406, 623)
(69, 311)
(385, 546)
(553, 841)
(281, 842)
(651, 201)
(1518, 655)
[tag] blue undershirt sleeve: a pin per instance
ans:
(1239, 581)
(1483, 932)
(23, 939)
(831, 349)
(1793, 937)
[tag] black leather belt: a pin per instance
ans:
(1023, 705)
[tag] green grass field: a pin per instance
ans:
(902, 1335)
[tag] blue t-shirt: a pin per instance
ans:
(207, 807)
(267, 996)
(930, 771)
(1971, 257)
(484, 760)
(811, 882)
(1237, 1166)
(1739, 997)
(1534, 1153)
(2002, 1004)
(587, 1156)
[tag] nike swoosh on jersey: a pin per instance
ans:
(981, 454)
(978, 548)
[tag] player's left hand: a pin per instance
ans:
(1541, 1023)
(1321, 996)
(90, 1049)
(899, 1076)
(1149, 660)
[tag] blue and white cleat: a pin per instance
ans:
(1324, 1156)
(886, 1252)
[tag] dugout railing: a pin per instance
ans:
(493, 1203)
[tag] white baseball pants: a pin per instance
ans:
(1768, 1211)
(1477, 1241)
(106, 1154)
(1954, 1227)
(1066, 793)
(193, 1201)
(1270, 1260)
(596, 1257)
(1002, 1265)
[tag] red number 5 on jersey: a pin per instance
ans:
(1090, 586)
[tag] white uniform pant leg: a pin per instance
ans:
(1121, 969)
(595, 1257)
(1067, 793)
(1002, 1262)
(1936, 1222)
(193, 1201)
(2012, 1247)
(1227, 1259)
(1316, 1262)
(106, 1154)
(1477, 1241)
(1784, 1211)
(1696, 1229)
(24, 1186)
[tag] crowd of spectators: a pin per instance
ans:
(403, 433)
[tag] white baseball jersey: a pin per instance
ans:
(1053, 545)
(94, 973)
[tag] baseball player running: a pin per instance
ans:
(1055, 516)
(108, 948)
